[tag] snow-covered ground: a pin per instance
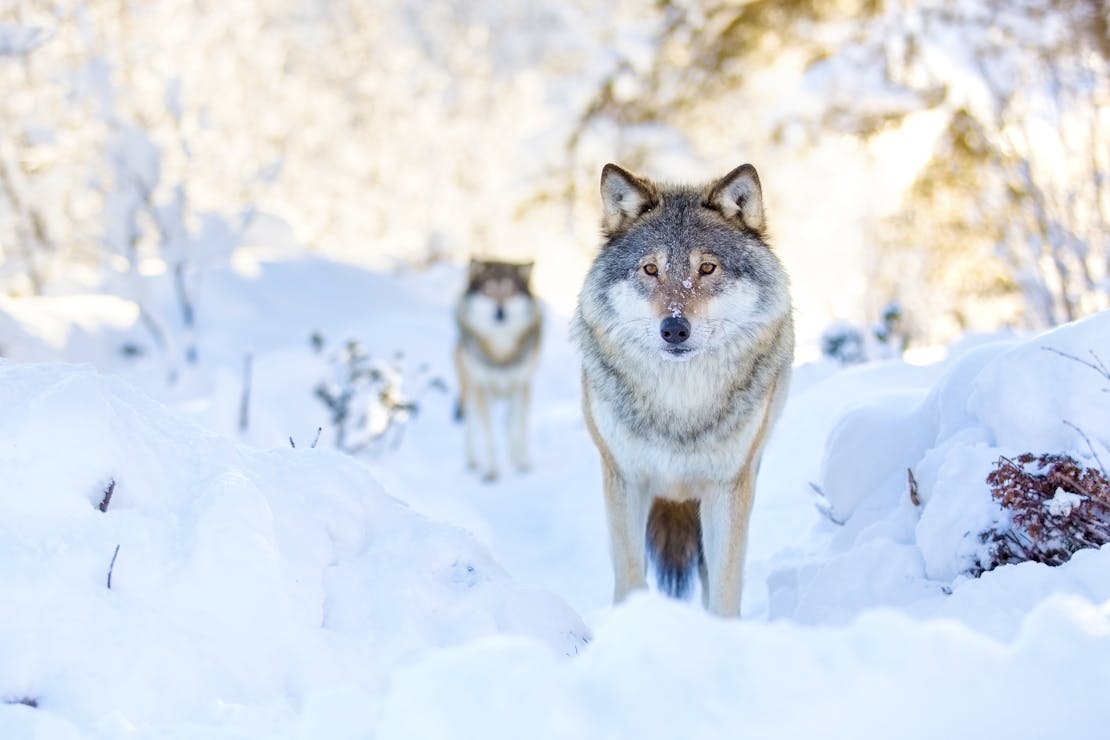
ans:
(263, 591)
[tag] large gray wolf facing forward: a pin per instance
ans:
(685, 327)
(499, 345)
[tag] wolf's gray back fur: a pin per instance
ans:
(695, 412)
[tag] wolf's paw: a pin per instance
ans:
(523, 467)
(490, 476)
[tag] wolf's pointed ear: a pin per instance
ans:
(624, 198)
(525, 271)
(739, 195)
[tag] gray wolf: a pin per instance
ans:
(499, 321)
(687, 338)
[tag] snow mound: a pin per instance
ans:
(249, 589)
(662, 670)
(1000, 399)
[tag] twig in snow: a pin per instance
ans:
(245, 397)
(107, 496)
(824, 506)
(27, 701)
(111, 566)
(1090, 446)
(315, 439)
(913, 487)
(1098, 365)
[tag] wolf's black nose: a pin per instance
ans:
(499, 314)
(675, 329)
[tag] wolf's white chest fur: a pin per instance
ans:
(496, 380)
(502, 339)
(688, 391)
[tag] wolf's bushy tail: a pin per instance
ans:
(674, 544)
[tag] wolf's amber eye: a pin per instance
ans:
(651, 269)
(707, 268)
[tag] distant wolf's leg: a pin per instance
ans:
(482, 411)
(703, 576)
(469, 422)
(466, 401)
(518, 429)
(724, 525)
(628, 512)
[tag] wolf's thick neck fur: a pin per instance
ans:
(706, 398)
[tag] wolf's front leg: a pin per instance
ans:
(627, 511)
(725, 511)
(470, 421)
(488, 467)
(518, 429)
(465, 410)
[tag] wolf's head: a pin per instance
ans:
(683, 270)
(499, 293)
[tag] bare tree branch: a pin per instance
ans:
(112, 566)
(1090, 446)
(1098, 365)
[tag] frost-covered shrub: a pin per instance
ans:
(844, 343)
(1054, 505)
(851, 345)
(890, 336)
(369, 399)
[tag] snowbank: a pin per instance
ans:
(660, 670)
(249, 586)
(999, 399)
(872, 633)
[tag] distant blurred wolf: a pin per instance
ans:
(499, 345)
(687, 337)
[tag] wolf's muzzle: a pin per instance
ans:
(674, 330)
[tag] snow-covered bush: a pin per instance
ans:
(1055, 505)
(996, 400)
(850, 345)
(844, 343)
(149, 220)
(369, 399)
(18, 41)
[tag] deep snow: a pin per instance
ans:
(247, 581)
(262, 591)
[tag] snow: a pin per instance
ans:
(16, 41)
(1063, 503)
(246, 582)
(266, 591)
(657, 670)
